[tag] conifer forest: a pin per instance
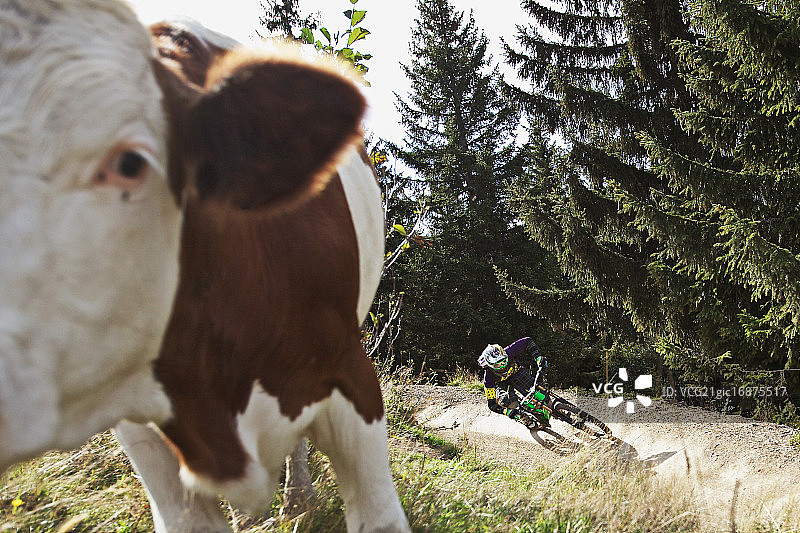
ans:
(630, 197)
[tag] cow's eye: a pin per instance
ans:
(131, 164)
(127, 167)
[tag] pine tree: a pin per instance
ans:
(680, 176)
(282, 17)
(460, 141)
(745, 72)
(608, 75)
(611, 77)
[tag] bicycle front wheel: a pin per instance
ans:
(580, 419)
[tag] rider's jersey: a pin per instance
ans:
(494, 379)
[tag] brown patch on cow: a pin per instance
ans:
(268, 293)
(257, 116)
(262, 298)
(265, 100)
(179, 97)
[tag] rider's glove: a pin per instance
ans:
(541, 362)
(510, 413)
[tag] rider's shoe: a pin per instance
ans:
(527, 420)
(538, 423)
(531, 421)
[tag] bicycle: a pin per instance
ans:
(541, 404)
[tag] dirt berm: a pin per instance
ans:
(712, 451)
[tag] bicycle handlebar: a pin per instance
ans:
(533, 389)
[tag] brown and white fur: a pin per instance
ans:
(263, 346)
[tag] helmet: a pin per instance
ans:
(493, 356)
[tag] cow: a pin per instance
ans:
(263, 346)
(245, 340)
(89, 227)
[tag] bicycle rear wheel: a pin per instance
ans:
(580, 419)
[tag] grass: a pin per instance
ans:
(463, 377)
(91, 489)
(444, 487)
(461, 492)
(473, 495)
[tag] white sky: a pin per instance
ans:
(390, 22)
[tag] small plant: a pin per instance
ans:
(467, 379)
(335, 42)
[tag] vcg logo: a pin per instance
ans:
(616, 390)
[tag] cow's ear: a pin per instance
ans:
(269, 131)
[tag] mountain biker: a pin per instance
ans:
(504, 376)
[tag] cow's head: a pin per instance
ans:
(88, 228)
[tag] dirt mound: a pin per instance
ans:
(721, 455)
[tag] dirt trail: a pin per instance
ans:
(711, 450)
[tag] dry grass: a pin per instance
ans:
(91, 490)
(463, 377)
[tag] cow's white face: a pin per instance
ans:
(89, 230)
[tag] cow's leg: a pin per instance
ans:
(175, 510)
(298, 491)
(358, 452)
